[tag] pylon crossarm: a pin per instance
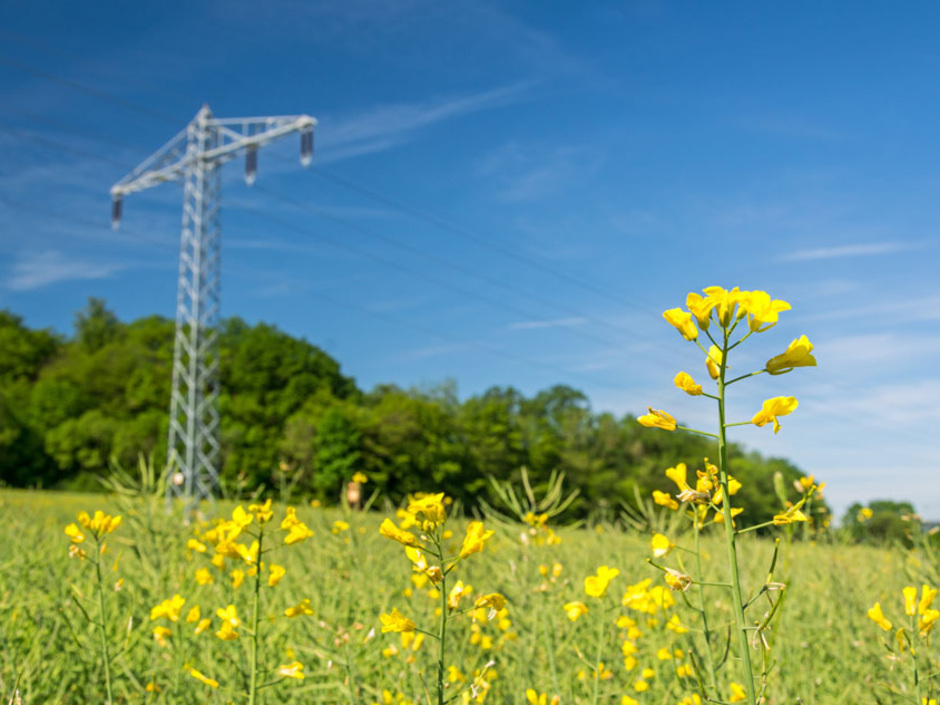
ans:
(257, 133)
(166, 164)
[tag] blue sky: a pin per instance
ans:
(512, 193)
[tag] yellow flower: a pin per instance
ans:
(677, 581)
(297, 533)
(238, 577)
(300, 609)
(193, 614)
(910, 601)
(926, 621)
(475, 539)
(738, 694)
(674, 625)
(682, 321)
(212, 683)
(390, 531)
(340, 526)
(656, 418)
(627, 700)
(725, 303)
(241, 518)
(202, 626)
(431, 506)
(878, 617)
(396, 622)
(575, 610)
(168, 608)
(927, 597)
(195, 545)
(227, 632)
(684, 381)
(713, 361)
(228, 615)
(292, 670)
(793, 514)
(262, 512)
(360, 478)
(76, 552)
(276, 573)
(701, 308)
(664, 500)
(679, 474)
(161, 634)
(204, 577)
(456, 592)
(596, 585)
(494, 601)
(797, 354)
(74, 533)
(100, 524)
(772, 408)
(661, 545)
(763, 313)
(641, 686)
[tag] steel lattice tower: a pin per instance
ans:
(195, 157)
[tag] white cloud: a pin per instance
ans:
(530, 173)
(866, 250)
(557, 323)
(45, 268)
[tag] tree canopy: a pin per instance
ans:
(292, 419)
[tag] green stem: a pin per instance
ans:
(597, 661)
(918, 695)
(737, 598)
(442, 636)
(710, 658)
(255, 610)
(102, 620)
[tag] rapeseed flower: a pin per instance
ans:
(797, 354)
(396, 622)
(682, 321)
(657, 418)
(684, 381)
(772, 408)
(475, 539)
(596, 585)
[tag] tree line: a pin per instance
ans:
(292, 421)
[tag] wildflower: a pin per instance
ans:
(456, 592)
(475, 539)
(431, 506)
(682, 321)
(228, 615)
(396, 622)
(360, 478)
(193, 615)
(910, 601)
(390, 531)
(926, 621)
(877, 616)
(684, 381)
(725, 303)
(296, 530)
(575, 610)
(596, 585)
(661, 545)
(340, 526)
(302, 608)
(927, 596)
(791, 515)
(641, 686)
(664, 500)
(292, 670)
(276, 573)
(627, 700)
(738, 693)
(678, 475)
(262, 512)
(74, 533)
(864, 515)
(797, 354)
(656, 418)
(100, 524)
(701, 308)
(227, 632)
(772, 408)
(678, 581)
(534, 698)
(212, 683)
(195, 545)
(160, 634)
(674, 625)
(762, 312)
(168, 608)
(202, 626)
(204, 577)
(713, 361)
(76, 552)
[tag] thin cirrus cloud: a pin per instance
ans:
(557, 323)
(861, 250)
(46, 268)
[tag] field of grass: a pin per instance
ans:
(825, 648)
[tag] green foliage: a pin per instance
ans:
(291, 419)
(889, 522)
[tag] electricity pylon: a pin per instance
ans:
(195, 157)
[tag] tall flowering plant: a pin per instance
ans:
(725, 319)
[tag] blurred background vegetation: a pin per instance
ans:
(293, 424)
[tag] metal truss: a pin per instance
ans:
(195, 157)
